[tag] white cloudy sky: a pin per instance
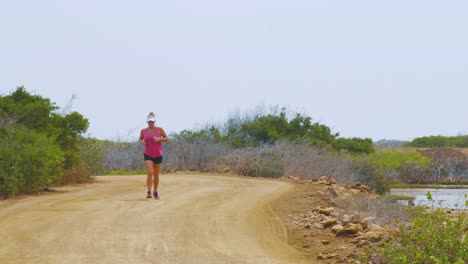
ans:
(380, 69)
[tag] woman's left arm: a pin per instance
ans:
(164, 137)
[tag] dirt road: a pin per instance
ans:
(200, 219)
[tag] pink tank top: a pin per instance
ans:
(153, 149)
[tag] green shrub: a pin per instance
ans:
(371, 175)
(92, 155)
(355, 145)
(37, 144)
(393, 159)
(275, 127)
(397, 164)
(29, 162)
(431, 237)
(41, 115)
(460, 141)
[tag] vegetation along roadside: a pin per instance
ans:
(279, 143)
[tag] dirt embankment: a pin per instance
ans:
(317, 226)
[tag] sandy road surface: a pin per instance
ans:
(200, 219)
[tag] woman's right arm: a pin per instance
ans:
(142, 137)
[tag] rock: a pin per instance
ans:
(332, 191)
(353, 256)
(364, 188)
(325, 242)
(327, 255)
(377, 228)
(357, 184)
(369, 219)
(363, 243)
(333, 181)
(364, 225)
(346, 219)
(336, 228)
(353, 191)
(323, 180)
(308, 226)
(317, 226)
(226, 170)
(312, 217)
(326, 211)
(305, 246)
(375, 234)
(349, 230)
(329, 222)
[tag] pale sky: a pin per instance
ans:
(378, 69)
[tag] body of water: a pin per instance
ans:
(445, 198)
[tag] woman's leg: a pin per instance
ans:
(149, 175)
(156, 168)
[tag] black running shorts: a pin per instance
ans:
(157, 160)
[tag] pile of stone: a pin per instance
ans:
(363, 230)
(349, 226)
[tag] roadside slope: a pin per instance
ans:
(200, 219)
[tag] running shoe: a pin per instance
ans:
(156, 195)
(148, 194)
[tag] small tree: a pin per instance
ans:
(371, 175)
(448, 163)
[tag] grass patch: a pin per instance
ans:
(457, 182)
(127, 172)
(425, 186)
(394, 197)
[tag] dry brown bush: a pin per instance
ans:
(384, 212)
(79, 173)
(180, 154)
(286, 160)
(265, 161)
(307, 162)
(122, 155)
(449, 163)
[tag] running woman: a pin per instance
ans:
(152, 138)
